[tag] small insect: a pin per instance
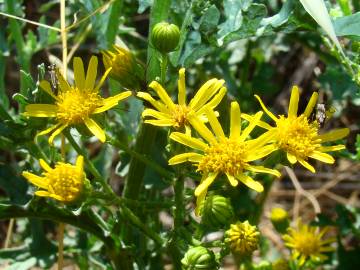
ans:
(322, 113)
(54, 81)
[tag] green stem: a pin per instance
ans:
(142, 158)
(179, 213)
(164, 63)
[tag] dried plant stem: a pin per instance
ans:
(31, 22)
(303, 192)
(9, 233)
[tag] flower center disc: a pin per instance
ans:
(180, 115)
(307, 244)
(226, 156)
(297, 136)
(75, 105)
(66, 181)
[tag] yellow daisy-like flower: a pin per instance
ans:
(224, 155)
(75, 104)
(242, 237)
(64, 183)
(299, 137)
(306, 243)
(167, 113)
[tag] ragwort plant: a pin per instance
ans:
(176, 153)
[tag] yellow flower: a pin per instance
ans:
(243, 238)
(306, 242)
(64, 183)
(75, 104)
(167, 113)
(299, 137)
(224, 155)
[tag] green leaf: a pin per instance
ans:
(348, 25)
(24, 265)
(210, 20)
(114, 21)
(144, 4)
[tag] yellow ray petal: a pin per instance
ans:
(205, 183)
(110, 102)
(36, 180)
(56, 132)
(263, 139)
(44, 165)
(199, 201)
(235, 120)
(251, 183)
(322, 157)
(161, 123)
(201, 129)
(260, 153)
(294, 102)
(233, 181)
(334, 135)
(261, 169)
(79, 73)
(205, 94)
(156, 114)
(42, 193)
(188, 141)
(213, 102)
(250, 127)
(291, 158)
(270, 114)
(48, 130)
(91, 73)
(332, 148)
(250, 118)
(214, 123)
(63, 84)
(95, 129)
(102, 80)
(307, 165)
(80, 163)
(181, 158)
(181, 87)
(311, 104)
(45, 86)
(163, 95)
(157, 104)
(40, 110)
(203, 89)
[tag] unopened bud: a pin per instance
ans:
(280, 219)
(165, 37)
(197, 258)
(216, 211)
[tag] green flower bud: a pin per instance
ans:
(280, 264)
(199, 258)
(125, 68)
(216, 211)
(165, 37)
(280, 219)
(264, 265)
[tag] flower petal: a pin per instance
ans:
(334, 135)
(205, 93)
(110, 102)
(214, 101)
(201, 129)
(40, 110)
(214, 123)
(38, 181)
(161, 123)
(307, 165)
(251, 126)
(156, 114)
(251, 183)
(235, 120)
(63, 84)
(294, 102)
(262, 169)
(157, 104)
(181, 158)
(205, 183)
(322, 157)
(270, 114)
(45, 86)
(260, 153)
(199, 201)
(79, 73)
(48, 130)
(311, 104)
(91, 73)
(95, 129)
(163, 95)
(56, 132)
(181, 87)
(44, 165)
(233, 181)
(80, 163)
(332, 148)
(188, 141)
(291, 158)
(102, 80)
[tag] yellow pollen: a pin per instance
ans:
(76, 105)
(180, 114)
(297, 136)
(226, 156)
(65, 181)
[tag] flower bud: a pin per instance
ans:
(280, 219)
(243, 238)
(165, 37)
(280, 264)
(199, 258)
(263, 265)
(125, 68)
(216, 211)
